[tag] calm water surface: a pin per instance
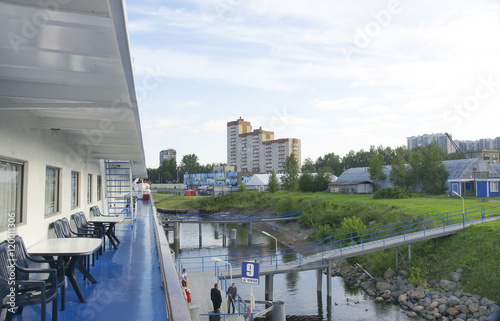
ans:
(296, 289)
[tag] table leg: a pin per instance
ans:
(112, 228)
(81, 267)
(70, 273)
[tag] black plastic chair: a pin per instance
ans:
(25, 291)
(26, 261)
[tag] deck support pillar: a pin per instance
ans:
(177, 233)
(319, 284)
(268, 296)
(329, 281)
(216, 231)
(200, 234)
(278, 311)
(403, 259)
(249, 233)
(224, 235)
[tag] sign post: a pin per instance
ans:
(250, 274)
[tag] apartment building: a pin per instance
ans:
(440, 140)
(168, 154)
(256, 150)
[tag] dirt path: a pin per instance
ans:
(290, 234)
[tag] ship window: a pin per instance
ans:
(75, 189)
(99, 187)
(11, 193)
(52, 189)
(89, 188)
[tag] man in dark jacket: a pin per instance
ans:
(216, 297)
(232, 291)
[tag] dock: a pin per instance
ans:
(200, 284)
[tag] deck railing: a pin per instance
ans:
(378, 236)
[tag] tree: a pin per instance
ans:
(168, 170)
(376, 170)
(323, 178)
(308, 165)
(356, 159)
(273, 182)
(427, 173)
(189, 164)
(399, 170)
(332, 161)
(290, 180)
(306, 182)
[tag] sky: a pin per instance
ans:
(338, 74)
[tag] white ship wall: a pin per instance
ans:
(20, 140)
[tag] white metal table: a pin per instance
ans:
(110, 231)
(74, 249)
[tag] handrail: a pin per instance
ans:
(359, 239)
(241, 305)
(234, 217)
(176, 305)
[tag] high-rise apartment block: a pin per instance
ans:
(440, 140)
(257, 150)
(168, 154)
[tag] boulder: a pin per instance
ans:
(389, 274)
(483, 311)
(458, 293)
(453, 301)
(371, 292)
(379, 299)
(387, 294)
(486, 302)
(442, 308)
(438, 315)
(452, 311)
(447, 285)
(473, 307)
(425, 302)
(382, 286)
(411, 314)
(402, 298)
(462, 308)
(366, 285)
(417, 294)
(432, 306)
(418, 308)
(455, 277)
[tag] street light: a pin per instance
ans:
(216, 259)
(463, 204)
(265, 233)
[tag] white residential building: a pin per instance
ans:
(257, 151)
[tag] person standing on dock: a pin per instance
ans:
(184, 278)
(216, 297)
(232, 291)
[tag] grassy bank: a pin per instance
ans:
(178, 202)
(476, 250)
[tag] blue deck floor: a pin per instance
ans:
(129, 279)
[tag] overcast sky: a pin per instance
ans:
(339, 75)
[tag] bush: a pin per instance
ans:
(391, 192)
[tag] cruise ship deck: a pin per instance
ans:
(129, 279)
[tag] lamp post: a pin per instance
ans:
(463, 205)
(216, 259)
(265, 233)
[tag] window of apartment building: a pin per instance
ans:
(89, 188)
(494, 187)
(99, 187)
(75, 189)
(52, 190)
(11, 192)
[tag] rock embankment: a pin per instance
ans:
(439, 300)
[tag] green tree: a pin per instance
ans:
(242, 187)
(168, 170)
(332, 161)
(352, 225)
(189, 164)
(152, 174)
(399, 170)
(273, 182)
(360, 158)
(427, 173)
(323, 178)
(309, 165)
(290, 180)
(376, 170)
(306, 182)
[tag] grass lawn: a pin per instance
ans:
(178, 202)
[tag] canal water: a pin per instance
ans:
(297, 289)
